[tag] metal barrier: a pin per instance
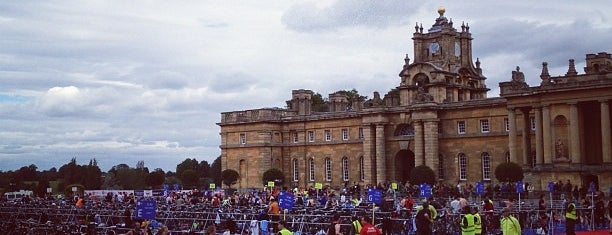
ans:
(303, 221)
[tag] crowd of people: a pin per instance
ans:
(461, 200)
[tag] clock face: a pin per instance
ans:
(434, 47)
(457, 49)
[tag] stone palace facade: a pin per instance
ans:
(439, 116)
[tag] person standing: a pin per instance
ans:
(334, 227)
(282, 228)
(509, 224)
(610, 215)
(424, 219)
(477, 222)
(570, 217)
(355, 226)
(368, 228)
(467, 222)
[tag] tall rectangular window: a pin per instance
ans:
(242, 138)
(295, 170)
(310, 136)
(486, 166)
(345, 169)
(506, 125)
(360, 133)
(533, 123)
(462, 167)
(328, 169)
(361, 169)
(311, 169)
(484, 126)
(460, 127)
(345, 134)
(327, 135)
(295, 137)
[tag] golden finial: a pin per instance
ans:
(441, 10)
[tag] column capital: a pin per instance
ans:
(572, 103)
(603, 101)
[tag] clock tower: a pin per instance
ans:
(442, 66)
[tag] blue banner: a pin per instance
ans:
(375, 196)
(551, 187)
(177, 187)
(425, 190)
(520, 188)
(592, 187)
(146, 209)
(480, 188)
(286, 200)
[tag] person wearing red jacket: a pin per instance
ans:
(368, 228)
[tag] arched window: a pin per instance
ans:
(406, 130)
(328, 169)
(345, 169)
(295, 170)
(462, 167)
(440, 166)
(361, 169)
(311, 168)
(486, 166)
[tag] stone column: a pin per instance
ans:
(526, 137)
(538, 136)
(431, 144)
(368, 156)
(606, 150)
(512, 135)
(418, 143)
(381, 166)
(547, 135)
(574, 134)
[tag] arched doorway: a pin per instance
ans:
(404, 162)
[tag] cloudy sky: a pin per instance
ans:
(123, 81)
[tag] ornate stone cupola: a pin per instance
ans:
(442, 65)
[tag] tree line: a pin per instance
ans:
(190, 173)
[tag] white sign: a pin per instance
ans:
(49, 190)
(74, 189)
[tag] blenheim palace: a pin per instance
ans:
(438, 116)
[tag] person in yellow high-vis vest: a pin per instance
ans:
(282, 227)
(356, 229)
(467, 223)
(477, 221)
(509, 224)
(570, 217)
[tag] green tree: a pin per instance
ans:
(156, 178)
(215, 171)
(203, 169)
(275, 175)
(93, 175)
(27, 173)
(189, 178)
(508, 172)
(351, 96)
(422, 175)
(41, 188)
(187, 164)
(229, 177)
